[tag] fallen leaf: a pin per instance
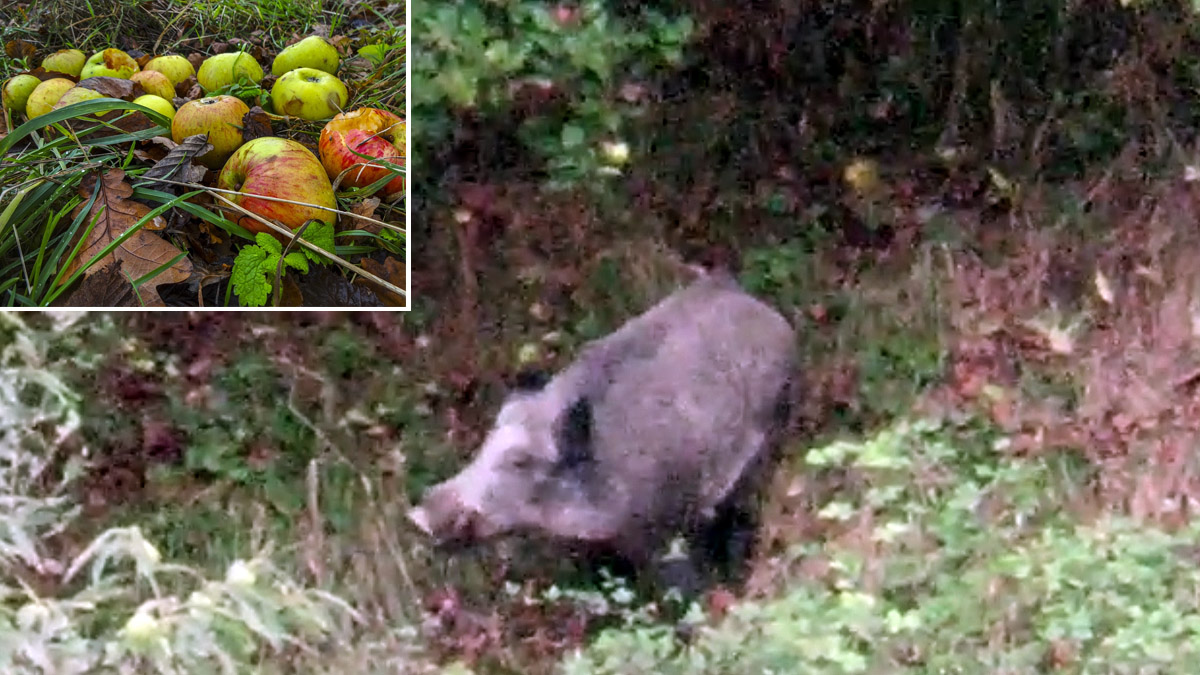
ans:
(219, 48)
(20, 49)
(391, 270)
(366, 209)
(322, 287)
(183, 88)
(256, 124)
(178, 165)
(112, 214)
(106, 288)
(195, 58)
(43, 74)
(113, 87)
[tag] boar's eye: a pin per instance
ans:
(523, 462)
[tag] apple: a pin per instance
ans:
(66, 61)
(45, 95)
(277, 167)
(76, 95)
(109, 63)
(156, 103)
(154, 82)
(370, 131)
(224, 69)
(218, 116)
(309, 94)
(175, 67)
(311, 52)
(16, 92)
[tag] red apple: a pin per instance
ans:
(277, 167)
(369, 131)
(218, 116)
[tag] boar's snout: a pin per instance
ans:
(443, 516)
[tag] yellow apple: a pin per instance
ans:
(45, 95)
(218, 116)
(154, 82)
(309, 94)
(311, 52)
(175, 67)
(16, 92)
(225, 69)
(66, 61)
(282, 168)
(109, 63)
(76, 95)
(157, 104)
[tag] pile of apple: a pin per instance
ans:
(306, 87)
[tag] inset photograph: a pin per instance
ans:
(204, 155)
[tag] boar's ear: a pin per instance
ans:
(574, 434)
(529, 380)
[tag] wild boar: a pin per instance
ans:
(663, 428)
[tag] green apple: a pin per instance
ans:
(154, 82)
(281, 168)
(218, 116)
(16, 92)
(175, 67)
(309, 94)
(109, 63)
(45, 95)
(76, 95)
(157, 104)
(311, 52)
(224, 69)
(66, 61)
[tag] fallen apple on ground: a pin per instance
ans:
(65, 61)
(156, 103)
(218, 116)
(154, 82)
(45, 95)
(16, 92)
(225, 69)
(369, 131)
(311, 52)
(109, 63)
(76, 95)
(175, 67)
(309, 94)
(282, 168)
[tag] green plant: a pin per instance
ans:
(970, 565)
(256, 268)
(489, 58)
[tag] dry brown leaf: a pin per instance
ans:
(195, 58)
(43, 74)
(19, 49)
(391, 270)
(113, 87)
(177, 164)
(112, 214)
(366, 209)
(106, 288)
(256, 124)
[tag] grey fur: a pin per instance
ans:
(673, 417)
